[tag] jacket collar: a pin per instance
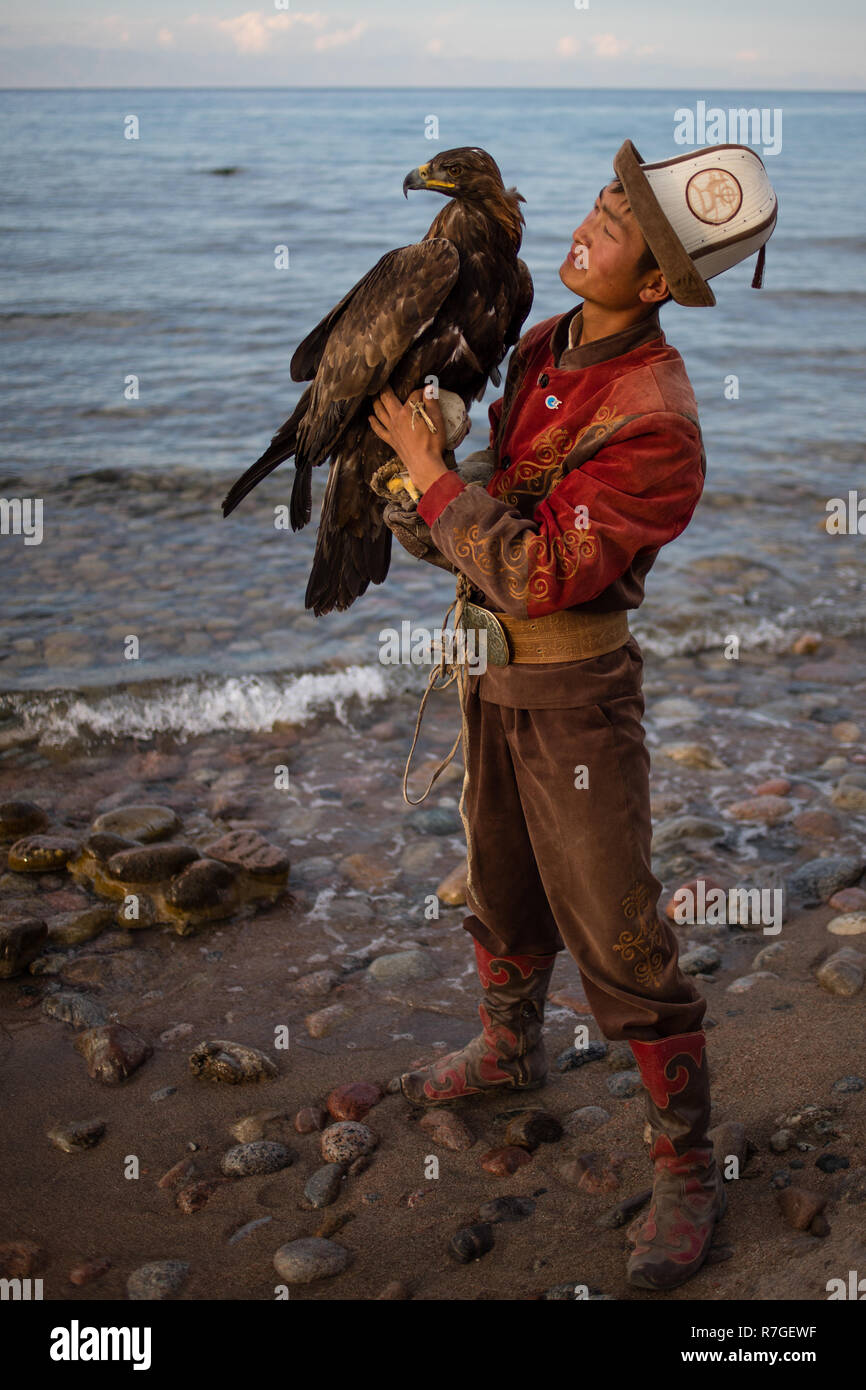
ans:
(602, 349)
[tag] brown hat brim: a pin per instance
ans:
(685, 283)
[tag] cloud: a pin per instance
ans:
(647, 48)
(747, 55)
(340, 37)
(567, 46)
(253, 31)
(433, 46)
(608, 45)
(165, 37)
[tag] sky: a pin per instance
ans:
(742, 44)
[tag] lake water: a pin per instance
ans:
(134, 257)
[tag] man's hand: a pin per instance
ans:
(418, 449)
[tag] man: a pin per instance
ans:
(596, 461)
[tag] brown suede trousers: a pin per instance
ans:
(557, 817)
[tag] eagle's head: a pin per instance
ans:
(470, 175)
(463, 173)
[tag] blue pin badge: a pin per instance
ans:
(552, 402)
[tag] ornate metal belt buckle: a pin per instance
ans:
(498, 652)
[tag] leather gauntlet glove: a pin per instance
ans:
(401, 514)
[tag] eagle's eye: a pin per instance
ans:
(455, 170)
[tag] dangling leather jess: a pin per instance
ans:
(758, 277)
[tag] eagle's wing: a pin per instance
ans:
(380, 319)
(411, 281)
(522, 305)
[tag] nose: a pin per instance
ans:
(582, 232)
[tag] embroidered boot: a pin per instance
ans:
(671, 1240)
(509, 1052)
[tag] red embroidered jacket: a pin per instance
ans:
(599, 463)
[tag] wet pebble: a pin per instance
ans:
(74, 928)
(76, 1135)
(800, 1207)
(849, 900)
(246, 1230)
(324, 1022)
(163, 1093)
(310, 1119)
(143, 822)
(849, 1083)
(452, 889)
(471, 1243)
(729, 1141)
(19, 818)
(533, 1128)
(848, 924)
(77, 1009)
(573, 1057)
(345, 1141)
(437, 820)
(21, 1259)
(744, 983)
(624, 1084)
(317, 982)
(250, 1128)
(88, 1271)
(677, 830)
(230, 1062)
(593, 1172)
(506, 1209)
(157, 1281)
(353, 1100)
(304, 1261)
(832, 1163)
(261, 1156)
(504, 1161)
(323, 1187)
(781, 1140)
(178, 1174)
(38, 854)
(587, 1117)
(447, 1130)
(766, 809)
(196, 1195)
(20, 943)
(150, 863)
(843, 973)
(112, 1053)
(251, 852)
(700, 960)
(818, 879)
(402, 967)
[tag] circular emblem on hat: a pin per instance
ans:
(714, 196)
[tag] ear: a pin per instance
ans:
(655, 290)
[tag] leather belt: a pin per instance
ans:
(564, 636)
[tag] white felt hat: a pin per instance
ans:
(700, 213)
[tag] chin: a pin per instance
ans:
(571, 277)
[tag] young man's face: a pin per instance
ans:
(601, 265)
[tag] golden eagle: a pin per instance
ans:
(449, 306)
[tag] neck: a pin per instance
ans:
(459, 220)
(599, 322)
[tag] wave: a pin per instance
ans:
(184, 709)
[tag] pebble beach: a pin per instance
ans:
(203, 1100)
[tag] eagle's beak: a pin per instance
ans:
(420, 178)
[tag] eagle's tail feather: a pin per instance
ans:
(281, 447)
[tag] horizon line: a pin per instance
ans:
(408, 87)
